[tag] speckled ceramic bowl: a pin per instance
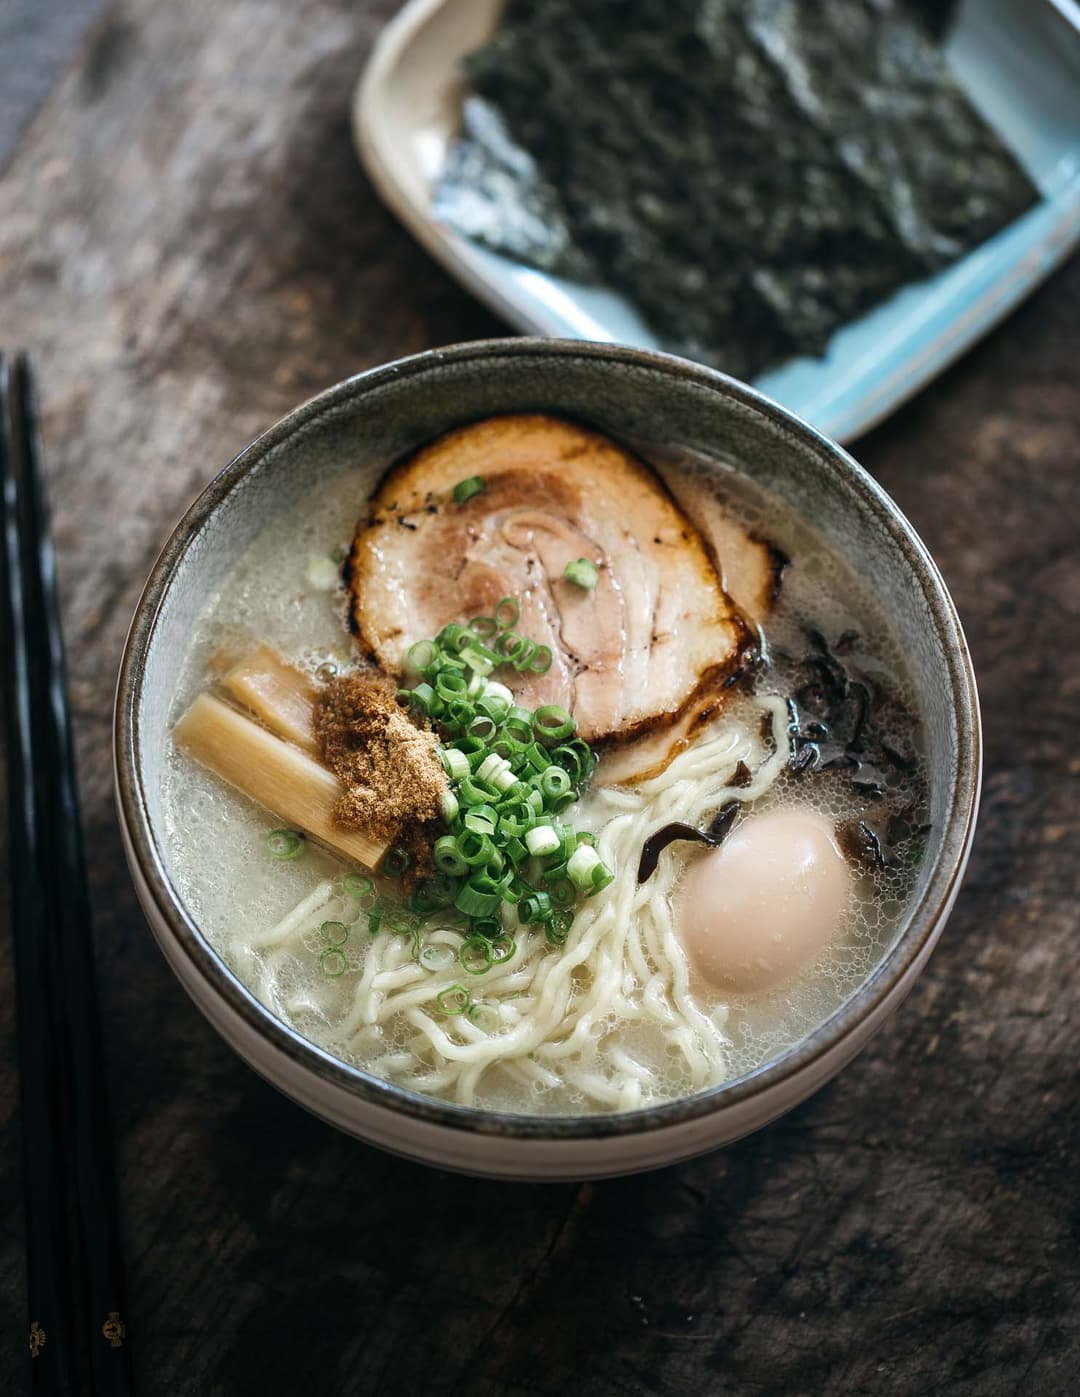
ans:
(649, 398)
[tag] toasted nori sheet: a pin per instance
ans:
(751, 174)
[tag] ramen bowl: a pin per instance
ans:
(659, 404)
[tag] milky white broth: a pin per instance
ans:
(215, 845)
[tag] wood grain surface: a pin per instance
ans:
(188, 246)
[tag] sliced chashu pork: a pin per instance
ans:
(750, 569)
(656, 633)
(751, 572)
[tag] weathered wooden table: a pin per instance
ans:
(189, 247)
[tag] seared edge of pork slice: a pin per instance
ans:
(751, 568)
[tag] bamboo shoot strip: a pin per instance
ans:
(274, 773)
(280, 695)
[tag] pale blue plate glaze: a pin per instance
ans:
(1019, 60)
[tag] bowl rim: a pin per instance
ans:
(923, 919)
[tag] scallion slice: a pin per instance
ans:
(484, 626)
(541, 659)
(465, 489)
(358, 885)
(455, 762)
(395, 862)
(333, 963)
(475, 955)
(437, 957)
(484, 1016)
(507, 612)
(582, 573)
(334, 933)
(475, 901)
(454, 999)
(448, 857)
(285, 845)
(542, 840)
(419, 656)
(536, 907)
(552, 723)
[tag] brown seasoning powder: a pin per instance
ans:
(389, 767)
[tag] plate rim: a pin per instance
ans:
(902, 379)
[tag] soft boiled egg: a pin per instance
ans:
(765, 904)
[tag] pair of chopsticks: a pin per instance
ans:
(77, 1336)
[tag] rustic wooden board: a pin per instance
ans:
(189, 248)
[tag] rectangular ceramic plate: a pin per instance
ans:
(1018, 60)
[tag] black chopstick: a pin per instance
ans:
(78, 1338)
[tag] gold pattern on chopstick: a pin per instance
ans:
(114, 1329)
(37, 1338)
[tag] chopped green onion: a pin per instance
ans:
(472, 791)
(450, 684)
(580, 866)
(511, 644)
(437, 957)
(475, 955)
(582, 573)
(451, 637)
(553, 781)
(502, 949)
(455, 762)
(420, 655)
(476, 901)
(587, 870)
(475, 848)
(534, 908)
(433, 894)
(333, 962)
(542, 840)
(504, 781)
(517, 725)
(562, 892)
(477, 662)
(395, 862)
(484, 1016)
(515, 850)
(515, 890)
(454, 999)
(459, 714)
(507, 612)
(557, 928)
(465, 489)
(481, 819)
(602, 877)
(375, 917)
(494, 705)
(541, 659)
(483, 727)
(490, 766)
(447, 856)
(552, 723)
(423, 697)
(334, 933)
(494, 690)
(358, 885)
(511, 771)
(285, 844)
(537, 757)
